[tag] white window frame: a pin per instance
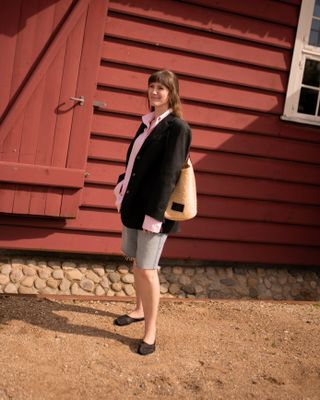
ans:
(302, 50)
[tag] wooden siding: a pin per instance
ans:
(258, 177)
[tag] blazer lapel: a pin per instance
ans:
(157, 131)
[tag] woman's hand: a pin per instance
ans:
(118, 195)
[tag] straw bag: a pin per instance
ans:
(183, 201)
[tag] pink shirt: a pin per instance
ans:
(149, 224)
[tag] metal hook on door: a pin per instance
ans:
(79, 100)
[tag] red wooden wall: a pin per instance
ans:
(258, 177)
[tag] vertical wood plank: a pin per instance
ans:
(65, 110)
(90, 61)
(61, 9)
(28, 148)
(47, 126)
(24, 55)
(9, 22)
(10, 151)
(30, 137)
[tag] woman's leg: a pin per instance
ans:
(138, 311)
(149, 290)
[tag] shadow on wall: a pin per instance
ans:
(215, 19)
(16, 15)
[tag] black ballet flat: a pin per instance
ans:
(124, 320)
(144, 348)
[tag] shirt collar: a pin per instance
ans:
(147, 118)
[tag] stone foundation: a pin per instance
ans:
(80, 277)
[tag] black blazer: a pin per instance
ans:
(155, 173)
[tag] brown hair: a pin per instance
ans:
(170, 81)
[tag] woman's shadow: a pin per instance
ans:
(44, 313)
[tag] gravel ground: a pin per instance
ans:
(70, 349)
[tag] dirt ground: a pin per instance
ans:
(70, 349)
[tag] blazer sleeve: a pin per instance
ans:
(176, 151)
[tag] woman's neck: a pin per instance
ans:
(160, 110)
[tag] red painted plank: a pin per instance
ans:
(103, 172)
(80, 132)
(62, 8)
(95, 243)
(24, 52)
(194, 66)
(47, 125)
(254, 167)
(202, 43)
(256, 145)
(65, 108)
(228, 118)
(251, 232)
(9, 22)
(261, 189)
(9, 150)
(28, 145)
(269, 10)
(40, 175)
(196, 90)
(115, 125)
(255, 210)
(110, 149)
(242, 252)
(299, 131)
(38, 201)
(44, 239)
(98, 196)
(68, 89)
(201, 18)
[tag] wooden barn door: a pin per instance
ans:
(44, 133)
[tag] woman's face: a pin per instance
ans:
(158, 96)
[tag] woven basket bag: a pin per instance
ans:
(183, 201)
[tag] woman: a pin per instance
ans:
(154, 161)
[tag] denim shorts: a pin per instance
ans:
(144, 247)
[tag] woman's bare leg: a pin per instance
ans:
(148, 285)
(138, 311)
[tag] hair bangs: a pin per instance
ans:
(160, 77)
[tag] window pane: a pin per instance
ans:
(314, 38)
(316, 11)
(311, 74)
(308, 101)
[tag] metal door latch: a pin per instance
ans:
(99, 104)
(79, 100)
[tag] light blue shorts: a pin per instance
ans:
(144, 247)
